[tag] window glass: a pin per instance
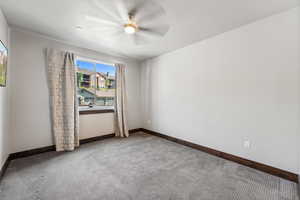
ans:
(96, 84)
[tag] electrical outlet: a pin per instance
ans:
(247, 144)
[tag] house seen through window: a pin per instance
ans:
(96, 84)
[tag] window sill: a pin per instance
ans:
(90, 112)
(95, 110)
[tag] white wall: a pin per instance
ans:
(4, 98)
(30, 110)
(241, 85)
(96, 125)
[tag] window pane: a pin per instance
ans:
(95, 83)
(85, 97)
(85, 75)
(105, 85)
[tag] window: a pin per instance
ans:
(95, 85)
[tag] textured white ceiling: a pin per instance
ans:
(190, 21)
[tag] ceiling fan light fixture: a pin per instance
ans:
(130, 28)
(141, 20)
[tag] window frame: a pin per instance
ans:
(83, 109)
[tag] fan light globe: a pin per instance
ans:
(129, 29)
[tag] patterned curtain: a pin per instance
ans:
(121, 128)
(63, 101)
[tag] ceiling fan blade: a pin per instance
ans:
(107, 9)
(159, 30)
(135, 6)
(105, 30)
(144, 9)
(122, 10)
(150, 16)
(108, 34)
(145, 37)
(101, 21)
(139, 39)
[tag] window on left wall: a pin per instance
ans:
(95, 85)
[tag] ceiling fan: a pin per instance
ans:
(141, 21)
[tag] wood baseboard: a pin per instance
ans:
(36, 151)
(31, 152)
(255, 165)
(94, 139)
(135, 130)
(4, 168)
(102, 137)
(299, 186)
